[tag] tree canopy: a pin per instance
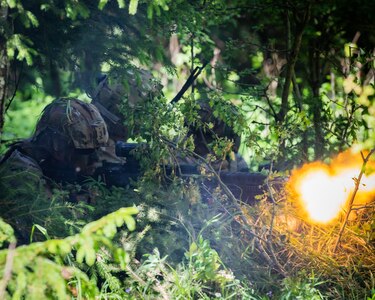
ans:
(285, 62)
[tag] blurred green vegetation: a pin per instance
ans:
(294, 79)
(21, 119)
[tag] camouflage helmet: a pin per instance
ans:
(136, 87)
(75, 122)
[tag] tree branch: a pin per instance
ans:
(7, 269)
(357, 183)
(292, 59)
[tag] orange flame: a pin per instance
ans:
(322, 191)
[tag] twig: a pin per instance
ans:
(224, 187)
(17, 82)
(357, 183)
(158, 288)
(359, 207)
(292, 59)
(274, 114)
(7, 269)
(258, 241)
(269, 241)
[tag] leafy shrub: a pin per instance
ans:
(201, 275)
(42, 270)
(301, 288)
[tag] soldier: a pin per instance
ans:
(109, 98)
(68, 132)
(210, 129)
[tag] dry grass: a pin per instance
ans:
(291, 245)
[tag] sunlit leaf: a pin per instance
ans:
(11, 3)
(90, 256)
(110, 230)
(34, 21)
(80, 254)
(102, 3)
(150, 11)
(133, 5)
(64, 247)
(130, 223)
(121, 3)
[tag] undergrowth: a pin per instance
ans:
(182, 243)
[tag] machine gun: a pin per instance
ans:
(243, 185)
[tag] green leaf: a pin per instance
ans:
(121, 257)
(21, 285)
(150, 12)
(110, 230)
(121, 3)
(45, 7)
(21, 44)
(129, 210)
(80, 255)
(133, 7)
(11, 3)
(52, 247)
(6, 233)
(42, 230)
(10, 52)
(102, 3)
(130, 222)
(119, 221)
(90, 256)
(64, 247)
(193, 247)
(34, 21)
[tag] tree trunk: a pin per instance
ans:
(316, 106)
(292, 59)
(299, 102)
(4, 67)
(56, 89)
(297, 94)
(300, 22)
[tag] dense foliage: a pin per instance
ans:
(295, 79)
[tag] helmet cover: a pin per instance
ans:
(77, 121)
(138, 86)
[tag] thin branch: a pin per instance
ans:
(225, 188)
(274, 114)
(269, 241)
(238, 93)
(292, 59)
(357, 184)
(7, 269)
(271, 260)
(261, 108)
(260, 123)
(17, 82)
(359, 207)
(192, 60)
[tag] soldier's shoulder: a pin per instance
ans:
(17, 162)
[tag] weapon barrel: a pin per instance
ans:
(244, 185)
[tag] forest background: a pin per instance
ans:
(301, 76)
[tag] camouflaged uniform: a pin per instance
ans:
(22, 187)
(204, 136)
(67, 129)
